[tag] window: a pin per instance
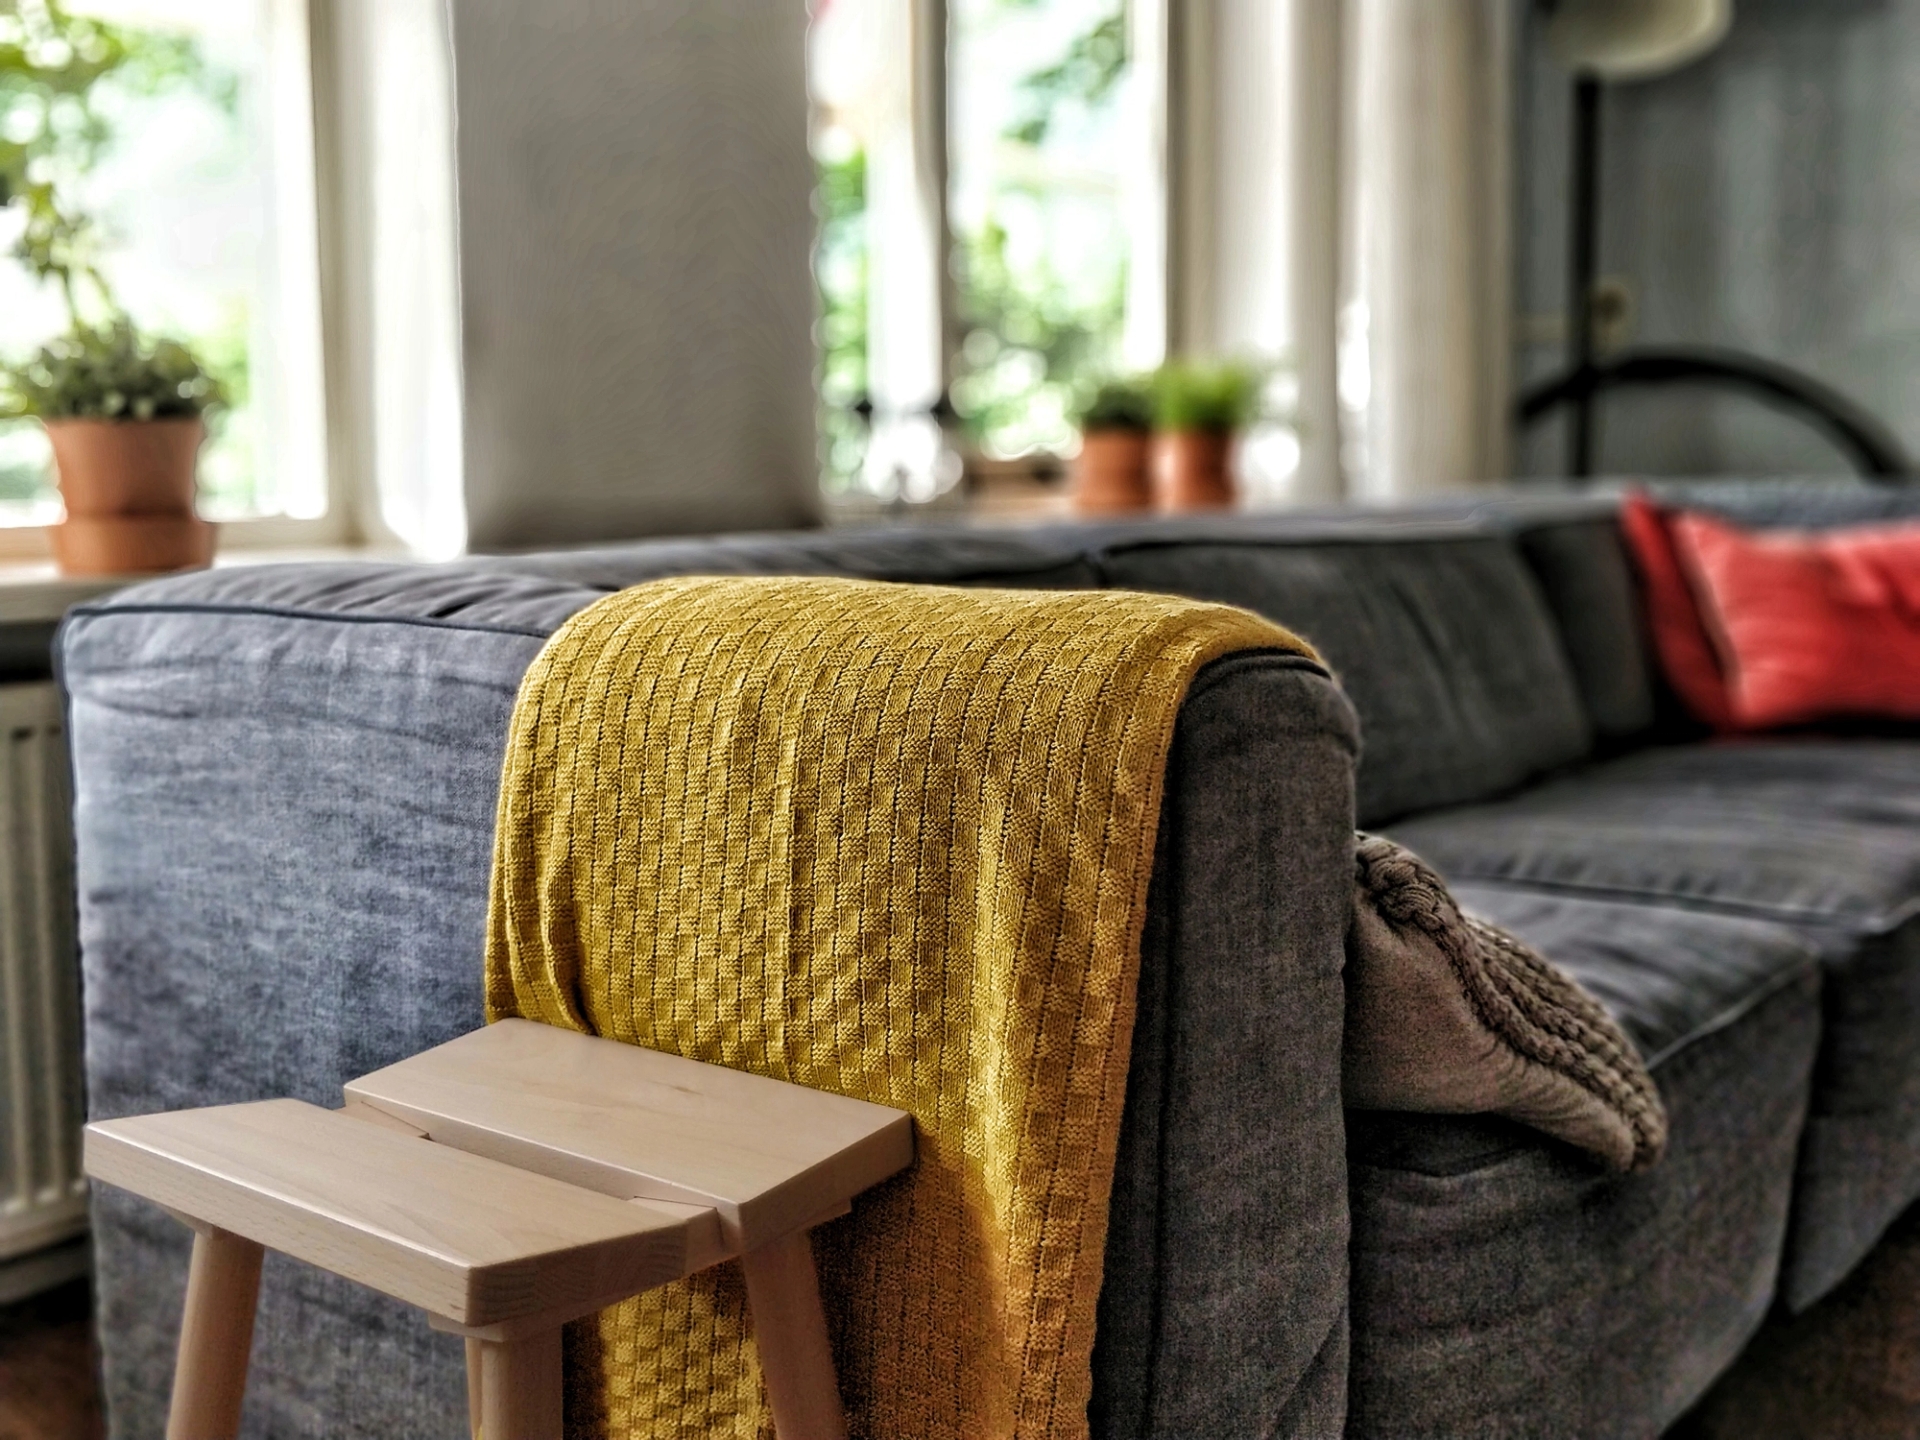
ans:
(982, 169)
(1036, 145)
(182, 131)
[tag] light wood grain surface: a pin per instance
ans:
(768, 1156)
(455, 1233)
(522, 1396)
(216, 1337)
(790, 1333)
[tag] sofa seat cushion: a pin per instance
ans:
(1504, 1283)
(1669, 976)
(1820, 834)
(1824, 832)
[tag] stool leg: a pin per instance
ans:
(216, 1334)
(473, 1388)
(520, 1387)
(790, 1331)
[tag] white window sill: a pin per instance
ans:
(33, 591)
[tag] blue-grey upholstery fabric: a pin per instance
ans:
(1054, 559)
(1793, 503)
(1591, 588)
(1444, 645)
(1504, 1284)
(1438, 633)
(1821, 834)
(284, 817)
(1223, 1309)
(1823, 831)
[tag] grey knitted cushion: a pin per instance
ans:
(1448, 1013)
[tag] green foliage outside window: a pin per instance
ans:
(1088, 74)
(1031, 338)
(55, 70)
(52, 130)
(1034, 339)
(1030, 341)
(840, 271)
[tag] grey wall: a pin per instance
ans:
(1766, 198)
(635, 224)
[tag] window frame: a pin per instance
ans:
(351, 518)
(1150, 322)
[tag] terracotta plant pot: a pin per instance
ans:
(1190, 469)
(1110, 476)
(128, 487)
(131, 544)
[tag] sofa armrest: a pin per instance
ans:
(1223, 1310)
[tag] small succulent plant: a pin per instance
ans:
(1117, 405)
(109, 372)
(1207, 395)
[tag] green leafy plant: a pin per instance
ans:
(52, 131)
(110, 373)
(51, 62)
(1212, 395)
(1116, 405)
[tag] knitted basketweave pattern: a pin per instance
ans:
(886, 840)
(1518, 994)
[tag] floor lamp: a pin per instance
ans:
(1611, 41)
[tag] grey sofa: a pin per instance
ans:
(285, 781)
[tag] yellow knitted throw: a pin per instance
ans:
(886, 840)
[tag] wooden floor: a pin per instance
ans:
(47, 1374)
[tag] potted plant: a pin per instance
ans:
(125, 416)
(125, 412)
(1110, 474)
(1198, 406)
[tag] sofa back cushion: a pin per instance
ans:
(1791, 503)
(1588, 581)
(1439, 632)
(1441, 639)
(1593, 587)
(1020, 559)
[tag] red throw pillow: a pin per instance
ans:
(1808, 626)
(1680, 640)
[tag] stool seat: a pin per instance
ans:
(456, 1234)
(769, 1157)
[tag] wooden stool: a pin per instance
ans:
(507, 1182)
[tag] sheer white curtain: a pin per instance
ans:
(416, 295)
(1255, 191)
(1425, 334)
(384, 76)
(1340, 183)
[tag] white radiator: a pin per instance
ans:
(42, 1194)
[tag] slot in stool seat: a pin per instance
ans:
(507, 1182)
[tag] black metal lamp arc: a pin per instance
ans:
(1603, 41)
